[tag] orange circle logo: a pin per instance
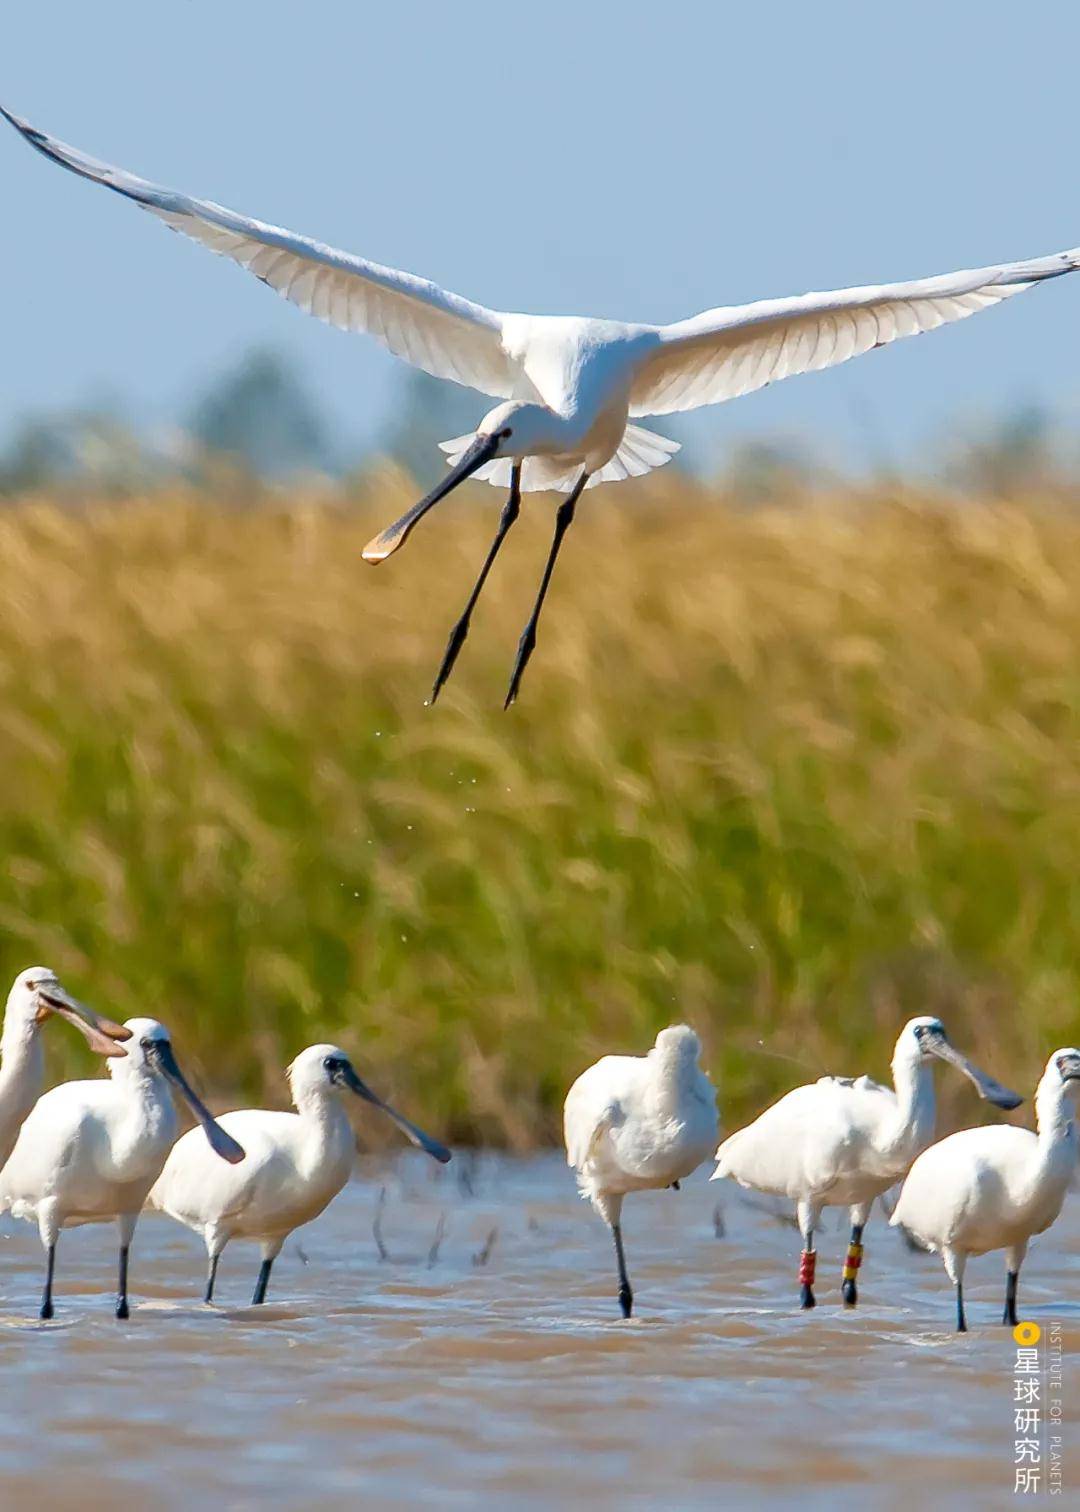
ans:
(1027, 1333)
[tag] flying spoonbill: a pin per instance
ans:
(90, 1151)
(842, 1141)
(636, 1123)
(569, 385)
(992, 1188)
(35, 993)
(296, 1164)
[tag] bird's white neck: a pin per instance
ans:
(20, 1043)
(22, 1070)
(148, 1123)
(1040, 1183)
(913, 1081)
(328, 1134)
(671, 1074)
(1055, 1119)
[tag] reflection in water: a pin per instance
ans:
(487, 1362)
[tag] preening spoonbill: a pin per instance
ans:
(992, 1188)
(90, 1151)
(35, 993)
(841, 1141)
(569, 385)
(636, 1123)
(296, 1164)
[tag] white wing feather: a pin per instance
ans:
(435, 330)
(734, 350)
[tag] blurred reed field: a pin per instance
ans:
(791, 775)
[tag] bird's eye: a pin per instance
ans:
(147, 1044)
(505, 434)
(331, 1064)
(32, 986)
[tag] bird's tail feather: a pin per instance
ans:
(640, 450)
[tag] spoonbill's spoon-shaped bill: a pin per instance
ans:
(637, 1123)
(89, 1152)
(296, 1164)
(994, 1187)
(36, 994)
(102, 1034)
(843, 1142)
(571, 384)
(222, 1144)
(347, 1077)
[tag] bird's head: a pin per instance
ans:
(679, 1043)
(516, 429)
(37, 992)
(1067, 1064)
(325, 1070)
(925, 1037)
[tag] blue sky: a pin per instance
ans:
(629, 160)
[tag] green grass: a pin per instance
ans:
(791, 776)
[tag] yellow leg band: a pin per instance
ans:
(853, 1261)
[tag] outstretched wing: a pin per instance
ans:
(733, 350)
(435, 330)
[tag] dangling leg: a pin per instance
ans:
(626, 1296)
(126, 1223)
(270, 1252)
(1014, 1259)
(849, 1291)
(527, 643)
(954, 1265)
(511, 509)
(49, 1229)
(809, 1216)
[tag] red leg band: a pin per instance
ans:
(807, 1264)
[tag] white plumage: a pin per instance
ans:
(993, 1188)
(35, 994)
(91, 1150)
(639, 1123)
(571, 384)
(843, 1142)
(296, 1164)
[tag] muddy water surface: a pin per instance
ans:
(481, 1361)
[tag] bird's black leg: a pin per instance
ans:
(961, 1321)
(121, 1284)
(211, 1277)
(46, 1296)
(848, 1289)
(261, 1283)
(1011, 1280)
(511, 509)
(626, 1296)
(527, 643)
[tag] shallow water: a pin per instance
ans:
(495, 1370)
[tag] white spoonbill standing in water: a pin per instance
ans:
(993, 1188)
(35, 994)
(637, 1123)
(842, 1141)
(569, 386)
(91, 1150)
(296, 1164)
